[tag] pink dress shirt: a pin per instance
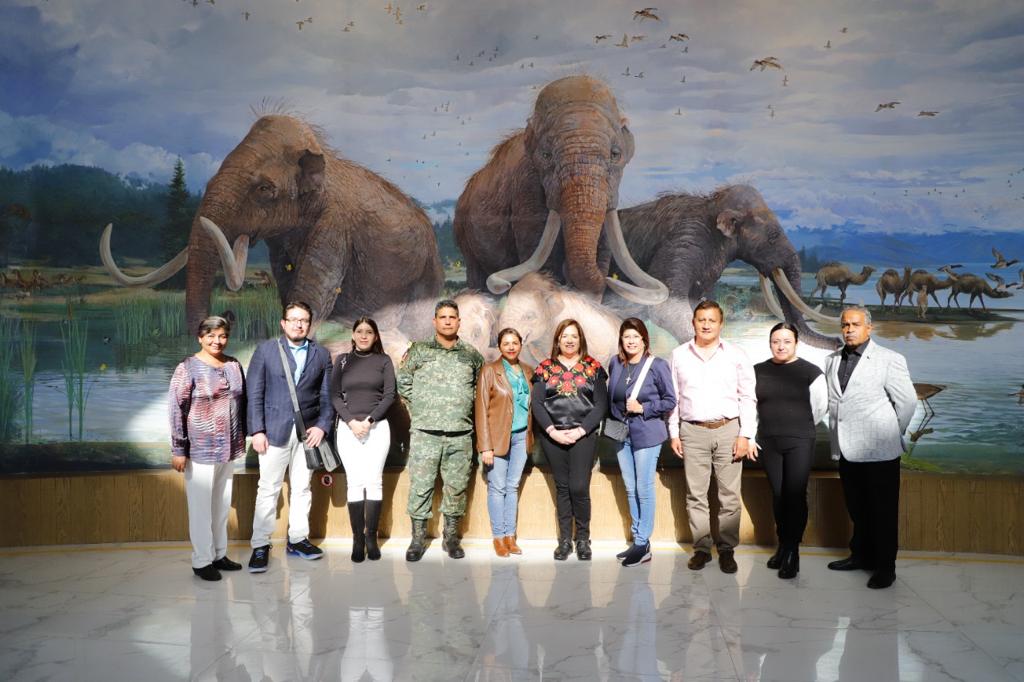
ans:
(719, 388)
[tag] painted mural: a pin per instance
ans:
(163, 160)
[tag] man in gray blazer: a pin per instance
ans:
(871, 401)
(271, 423)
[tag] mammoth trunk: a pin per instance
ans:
(787, 284)
(584, 202)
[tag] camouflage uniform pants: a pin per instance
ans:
(429, 453)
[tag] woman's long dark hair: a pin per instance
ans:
(377, 346)
(640, 328)
(562, 326)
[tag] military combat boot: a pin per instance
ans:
(452, 543)
(419, 540)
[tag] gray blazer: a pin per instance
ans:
(868, 420)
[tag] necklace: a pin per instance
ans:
(629, 372)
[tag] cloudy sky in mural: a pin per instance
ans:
(421, 92)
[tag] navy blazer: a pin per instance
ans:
(266, 390)
(658, 397)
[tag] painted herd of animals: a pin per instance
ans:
(539, 226)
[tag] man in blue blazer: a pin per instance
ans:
(272, 426)
(871, 401)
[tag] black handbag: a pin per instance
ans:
(323, 455)
(611, 427)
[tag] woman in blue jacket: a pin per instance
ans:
(644, 414)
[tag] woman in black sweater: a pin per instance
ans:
(362, 390)
(569, 400)
(791, 399)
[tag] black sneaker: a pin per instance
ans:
(622, 555)
(638, 554)
(305, 549)
(259, 559)
(207, 572)
(226, 564)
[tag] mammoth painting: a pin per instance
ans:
(340, 237)
(686, 240)
(547, 198)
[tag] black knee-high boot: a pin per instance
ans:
(356, 517)
(372, 519)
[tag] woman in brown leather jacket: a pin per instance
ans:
(503, 435)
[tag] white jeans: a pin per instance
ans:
(208, 491)
(364, 460)
(273, 463)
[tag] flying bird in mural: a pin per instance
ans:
(626, 72)
(421, 8)
(828, 44)
(603, 36)
(785, 81)
(646, 13)
(246, 15)
(638, 38)
(1001, 262)
(300, 23)
(680, 37)
(625, 41)
(639, 75)
(683, 79)
(1019, 284)
(1000, 282)
(679, 111)
(886, 105)
(842, 30)
(927, 113)
(767, 62)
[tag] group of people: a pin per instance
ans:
(709, 401)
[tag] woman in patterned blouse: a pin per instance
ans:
(570, 398)
(206, 403)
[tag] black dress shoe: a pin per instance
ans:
(226, 564)
(850, 563)
(775, 560)
(881, 580)
(789, 564)
(698, 561)
(727, 562)
(563, 550)
(207, 572)
(583, 552)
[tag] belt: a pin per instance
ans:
(714, 423)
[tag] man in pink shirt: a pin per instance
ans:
(712, 427)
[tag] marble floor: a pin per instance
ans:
(136, 612)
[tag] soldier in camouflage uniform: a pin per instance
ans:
(437, 381)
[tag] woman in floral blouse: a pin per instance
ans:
(569, 399)
(206, 404)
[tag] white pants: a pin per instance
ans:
(364, 460)
(208, 491)
(273, 463)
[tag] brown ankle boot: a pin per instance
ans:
(499, 547)
(511, 546)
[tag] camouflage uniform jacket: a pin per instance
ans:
(438, 385)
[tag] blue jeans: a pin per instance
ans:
(503, 486)
(638, 468)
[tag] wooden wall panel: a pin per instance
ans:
(937, 512)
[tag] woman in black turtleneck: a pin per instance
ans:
(791, 399)
(362, 390)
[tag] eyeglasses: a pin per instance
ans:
(298, 321)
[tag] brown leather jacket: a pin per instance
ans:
(494, 409)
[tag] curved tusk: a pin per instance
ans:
(161, 274)
(770, 300)
(501, 281)
(779, 277)
(233, 259)
(645, 290)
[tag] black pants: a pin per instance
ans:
(571, 468)
(872, 491)
(787, 461)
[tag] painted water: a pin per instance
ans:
(977, 428)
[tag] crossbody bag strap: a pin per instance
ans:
(291, 388)
(640, 379)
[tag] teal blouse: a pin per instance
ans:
(520, 396)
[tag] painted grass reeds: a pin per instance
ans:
(139, 319)
(74, 335)
(257, 311)
(10, 394)
(28, 375)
